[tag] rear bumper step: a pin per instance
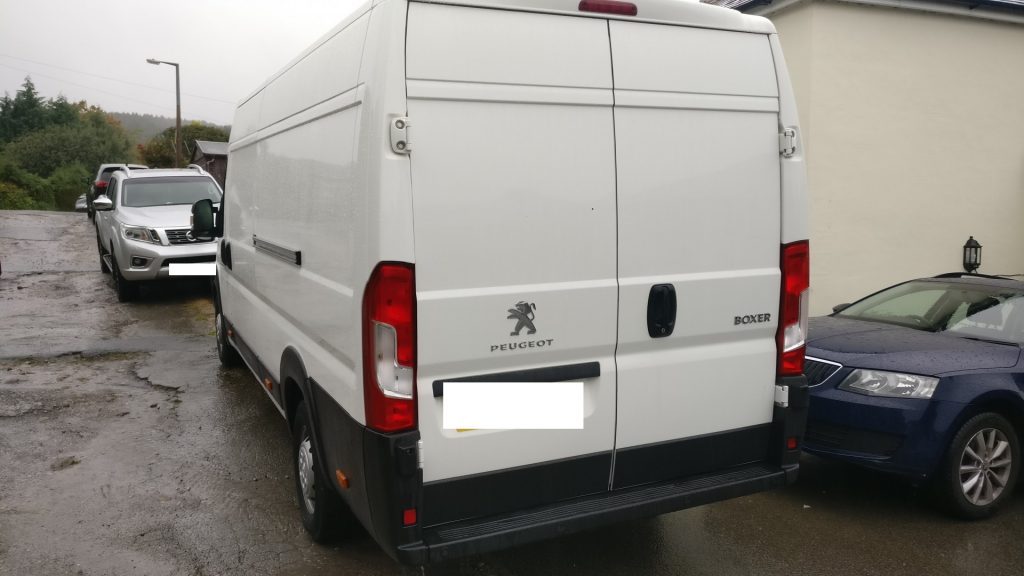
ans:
(493, 533)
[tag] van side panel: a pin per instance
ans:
(300, 191)
(699, 208)
(513, 183)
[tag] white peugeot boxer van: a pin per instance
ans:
(526, 191)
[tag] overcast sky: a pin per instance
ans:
(96, 50)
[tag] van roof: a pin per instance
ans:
(684, 12)
(678, 12)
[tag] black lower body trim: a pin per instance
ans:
(698, 455)
(341, 440)
(514, 529)
(260, 371)
(514, 489)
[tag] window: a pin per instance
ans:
(169, 191)
(987, 312)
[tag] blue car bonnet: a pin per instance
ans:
(863, 344)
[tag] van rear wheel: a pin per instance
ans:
(318, 503)
(229, 357)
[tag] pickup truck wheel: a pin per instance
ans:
(126, 291)
(318, 503)
(229, 357)
(981, 467)
(103, 263)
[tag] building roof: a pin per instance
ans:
(208, 148)
(1009, 5)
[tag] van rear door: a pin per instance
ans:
(514, 200)
(696, 123)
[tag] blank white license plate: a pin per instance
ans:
(513, 405)
(193, 269)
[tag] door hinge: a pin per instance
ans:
(787, 142)
(400, 135)
(782, 396)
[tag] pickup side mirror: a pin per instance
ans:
(204, 221)
(102, 204)
(839, 308)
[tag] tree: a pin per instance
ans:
(67, 183)
(159, 151)
(60, 111)
(22, 114)
(14, 198)
(24, 182)
(91, 141)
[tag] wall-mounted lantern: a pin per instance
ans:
(972, 255)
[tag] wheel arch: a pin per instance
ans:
(1004, 403)
(295, 391)
(294, 386)
(1001, 401)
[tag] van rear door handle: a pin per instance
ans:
(563, 373)
(661, 310)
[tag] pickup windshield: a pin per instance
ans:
(168, 191)
(976, 311)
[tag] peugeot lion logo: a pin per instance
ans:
(523, 313)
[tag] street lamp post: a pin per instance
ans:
(177, 118)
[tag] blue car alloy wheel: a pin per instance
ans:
(982, 466)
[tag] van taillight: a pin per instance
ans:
(389, 348)
(608, 7)
(796, 279)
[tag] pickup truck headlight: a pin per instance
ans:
(889, 384)
(140, 234)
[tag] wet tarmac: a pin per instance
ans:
(126, 449)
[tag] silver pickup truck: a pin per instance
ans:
(143, 222)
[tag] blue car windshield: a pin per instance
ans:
(169, 190)
(977, 311)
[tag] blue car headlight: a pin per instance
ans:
(889, 384)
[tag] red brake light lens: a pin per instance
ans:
(408, 517)
(608, 7)
(101, 183)
(389, 347)
(796, 280)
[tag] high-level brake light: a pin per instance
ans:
(796, 279)
(389, 348)
(608, 7)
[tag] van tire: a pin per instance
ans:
(1005, 466)
(226, 352)
(320, 509)
(126, 291)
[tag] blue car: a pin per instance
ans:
(925, 379)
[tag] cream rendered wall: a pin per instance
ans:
(914, 124)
